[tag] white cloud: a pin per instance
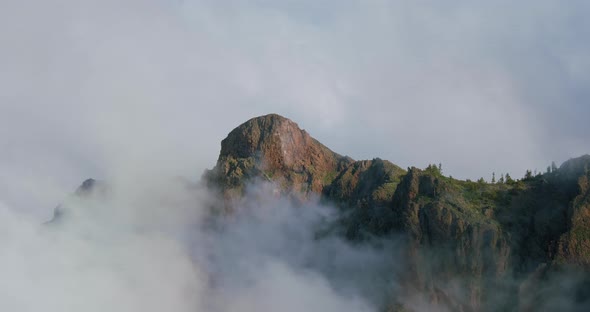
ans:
(152, 246)
(111, 88)
(132, 91)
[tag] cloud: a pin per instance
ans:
(134, 92)
(155, 246)
(279, 288)
(94, 88)
(92, 270)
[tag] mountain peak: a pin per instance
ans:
(260, 132)
(272, 147)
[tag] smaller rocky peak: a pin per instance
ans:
(566, 178)
(87, 190)
(91, 187)
(418, 189)
(575, 167)
(87, 187)
(366, 183)
(409, 186)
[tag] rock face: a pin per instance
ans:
(274, 148)
(365, 183)
(449, 237)
(574, 245)
(468, 246)
(504, 246)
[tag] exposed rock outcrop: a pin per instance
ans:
(274, 148)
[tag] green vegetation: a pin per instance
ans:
(329, 177)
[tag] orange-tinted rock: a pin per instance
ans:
(274, 148)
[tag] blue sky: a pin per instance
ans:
(125, 89)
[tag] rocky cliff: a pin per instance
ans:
(274, 148)
(467, 246)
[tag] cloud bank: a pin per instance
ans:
(94, 88)
(132, 91)
(116, 250)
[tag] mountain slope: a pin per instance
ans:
(488, 239)
(460, 245)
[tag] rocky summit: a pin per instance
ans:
(467, 246)
(274, 148)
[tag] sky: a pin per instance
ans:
(132, 89)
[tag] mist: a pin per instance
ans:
(136, 92)
(160, 246)
(165, 245)
(92, 88)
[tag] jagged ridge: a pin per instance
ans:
(488, 234)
